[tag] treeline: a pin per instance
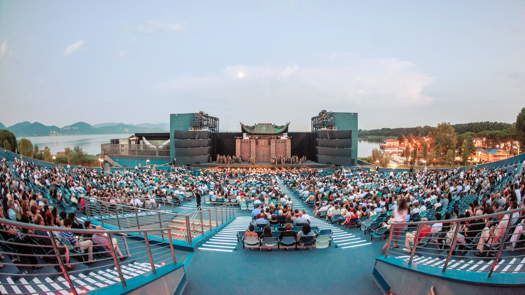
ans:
(491, 130)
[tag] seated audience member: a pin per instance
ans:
(251, 232)
(75, 242)
(424, 231)
(267, 232)
(305, 232)
(288, 231)
(261, 220)
(102, 240)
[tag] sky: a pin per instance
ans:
(396, 63)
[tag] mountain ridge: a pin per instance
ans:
(26, 128)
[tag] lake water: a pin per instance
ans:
(91, 143)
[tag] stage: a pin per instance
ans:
(265, 165)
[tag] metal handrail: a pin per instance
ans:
(110, 259)
(195, 223)
(488, 243)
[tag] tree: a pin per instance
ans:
(380, 158)
(520, 126)
(444, 139)
(467, 148)
(425, 151)
(25, 147)
(414, 157)
(47, 154)
(8, 140)
(450, 156)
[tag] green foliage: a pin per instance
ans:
(8, 140)
(25, 147)
(46, 155)
(520, 126)
(61, 159)
(379, 158)
(444, 139)
(425, 151)
(467, 148)
(413, 157)
(450, 156)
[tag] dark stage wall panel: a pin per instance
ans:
(224, 143)
(303, 144)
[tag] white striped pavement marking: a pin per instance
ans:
(220, 243)
(349, 243)
(438, 262)
(101, 278)
(27, 285)
(424, 260)
(485, 266)
(499, 264)
(40, 285)
(55, 285)
(353, 246)
(517, 269)
(109, 276)
(466, 264)
(91, 281)
(475, 265)
(13, 286)
(511, 263)
(346, 240)
(212, 249)
(2, 289)
(218, 246)
(416, 259)
(80, 282)
(431, 261)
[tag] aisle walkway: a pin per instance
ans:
(226, 239)
(342, 238)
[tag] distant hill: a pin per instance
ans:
(38, 129)
(27, 128)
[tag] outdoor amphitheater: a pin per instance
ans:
(239, 228)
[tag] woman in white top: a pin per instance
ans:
(400, 215)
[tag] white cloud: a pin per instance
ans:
(342, 83)
(74, 47)
(151, 26)
(4, 50)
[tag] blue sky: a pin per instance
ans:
(396, 63)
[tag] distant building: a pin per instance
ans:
(490, 155)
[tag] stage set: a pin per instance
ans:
(195, 140)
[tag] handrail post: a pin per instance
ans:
(413, 250)
(118, 219)
(209, 217)
(188, 230)
(501, 246)
(389, 241)
(160, 223)
(202, 222)
(216, 216)
(61, 264)
(137, 218)
(116, 261)
(148, 250)
(171, 246)
(452, 246)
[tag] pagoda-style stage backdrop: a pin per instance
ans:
(263, 142)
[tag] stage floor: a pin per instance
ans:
(307, 164)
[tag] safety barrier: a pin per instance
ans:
(58, 260)
(482, 244)
(184, 227)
